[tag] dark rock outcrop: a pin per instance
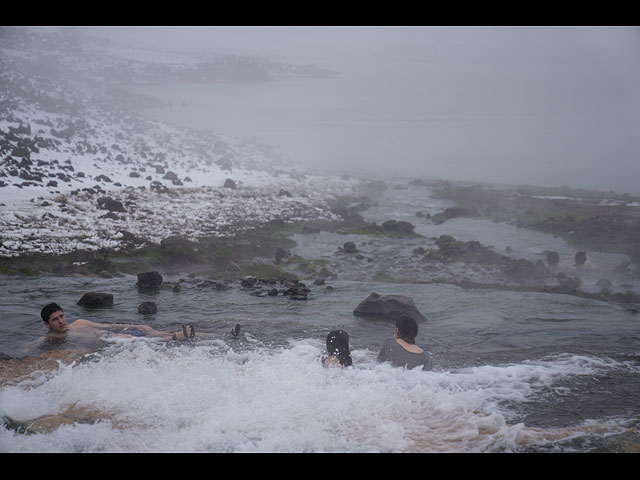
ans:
(148, 308)
(350, 247)
(108, 203)
(96, 300)
(398, 226)
(388, 307)
(248, 281)
(149, 280)
(580, 258)
(297, 290)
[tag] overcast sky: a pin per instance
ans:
(565, 97)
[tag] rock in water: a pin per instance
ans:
(388, 307)
(350, 247)
(96, 300)
(553, 259)
(149, 280)
(148, 308)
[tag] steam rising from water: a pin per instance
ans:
(213, 398)
(540, 106)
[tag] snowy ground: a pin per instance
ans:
(65, 147)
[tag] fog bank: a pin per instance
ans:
(547, 106)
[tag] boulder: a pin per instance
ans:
(296, 290)
(388, 307)
(229, 183)
(248, 281)
(580, 258)
(350, 247)
(149, 280)
(108, 203)
(398, 226)
(553, 259)
(148, 308)
(96, 300)
(158, 186)
(170, 176)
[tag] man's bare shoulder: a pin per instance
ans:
(82, 323)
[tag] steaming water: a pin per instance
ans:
(513, 371)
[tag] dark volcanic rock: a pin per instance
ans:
(297, 291)
(108, 203)
(149, 280)
(350, 247)
(398, 226)
(96, 300)
(580, 258)
(248, 281)
(553, 258)
(229, 183)
(171, 176)
(148, 308)
(388, 307)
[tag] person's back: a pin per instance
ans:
(401, 350)
(395, 353)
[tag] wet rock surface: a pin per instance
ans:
(388, 307)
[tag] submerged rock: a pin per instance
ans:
(388, 307)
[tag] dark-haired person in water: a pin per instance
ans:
(55, 320)
(401, 350)
(338, 353)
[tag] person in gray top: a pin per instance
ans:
(401, 350)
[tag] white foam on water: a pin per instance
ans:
(212, 398)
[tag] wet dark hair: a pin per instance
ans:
(48, 309)
(407, 328)
(338, 345)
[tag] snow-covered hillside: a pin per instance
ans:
(66, 146)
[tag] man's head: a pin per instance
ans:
(53, 316)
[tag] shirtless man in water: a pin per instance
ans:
(55, 320)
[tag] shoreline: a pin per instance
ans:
(262, 251)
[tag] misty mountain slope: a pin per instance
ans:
(73, 120)
(64, 139)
